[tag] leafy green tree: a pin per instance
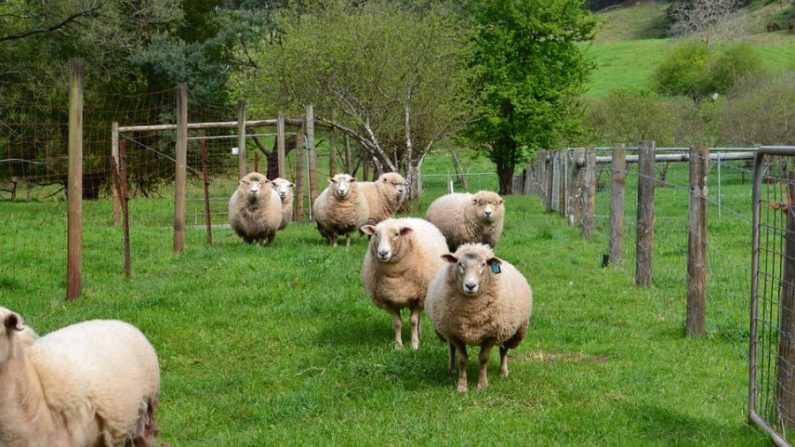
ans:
(527, 73)
(392, 75)
(628, 116)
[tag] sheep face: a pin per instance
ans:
(471, 267)
(488, 205)
(254, 187)
(388, 241)
(341, 185)
(395, 181)
(283, 187)
(10, 322)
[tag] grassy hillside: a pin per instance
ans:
(630, 43)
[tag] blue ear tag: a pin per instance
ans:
(495, 268)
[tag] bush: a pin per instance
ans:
(696, 70)
(627, 116)
(682, 71)
(758, 110)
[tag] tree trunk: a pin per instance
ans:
(505, 174)
(461, 179)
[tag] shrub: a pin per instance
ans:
(758, 110)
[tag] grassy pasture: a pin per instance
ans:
(279, 345)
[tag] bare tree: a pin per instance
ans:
(708, 19)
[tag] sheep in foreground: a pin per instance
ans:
(478, 300)
(89, 384)
(384, 196)
(284, 188)
(255, 211)
(401, 260)
(467, 218)
(340, 209)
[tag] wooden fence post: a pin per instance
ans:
(281, 146)
(348, 166)
(576, 186)
(206, 181)
(785, 361)
(242, 168)
(645, 228)
(332, 150)
(256, 161)
(310, 153)
(554, 182)
(697, 243)
(180, 177)
(618, 168)
(365, 165)
(74, 258)
(589, 193)
(549, 179)
(298, 213)
(125, 207)
(563, 184)
(114, 150)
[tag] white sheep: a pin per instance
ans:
(340, 209)
(284, 188)
(478, 300)
(384, 196)
(89, 384)
(403, 256)
(467, 218)
(255, 210)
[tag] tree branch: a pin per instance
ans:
(91, 12)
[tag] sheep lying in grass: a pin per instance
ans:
(284, 188)
(255, 211)
(340, 209)
(402, 258)
(90, 384)
(467, 218)
(384, 196)
(479, 300)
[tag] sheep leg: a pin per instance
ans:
(503, 361)
(451, 362)
(347, 241)
(414, 319)
(462, 366)
(397, 323)
(483, 379)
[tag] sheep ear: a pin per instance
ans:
(353, 179)
(368, 229)
(474, 201)
(292, 185)
(492, 261)
(331, 180)
(495, 264)
(13, 321)
(405, 230)
(449, 257)
(500, 202)
(244, 181)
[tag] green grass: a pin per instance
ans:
(279, 345)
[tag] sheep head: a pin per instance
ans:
(472, 267)
(389, 240)
(489, 206)
(11, 323)
(283, 187)
(341, 185)
(253, 186)
(394, 181)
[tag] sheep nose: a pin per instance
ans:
(487, 213)
(383, 253)
(470, 286)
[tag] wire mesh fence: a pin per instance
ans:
(772, 353)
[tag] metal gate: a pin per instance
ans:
(771, 399)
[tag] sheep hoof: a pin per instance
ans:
(415, 345)
(398, 346)
(462, 388)
(483, 384)
(503, 373)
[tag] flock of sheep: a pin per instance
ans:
(98, 382)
